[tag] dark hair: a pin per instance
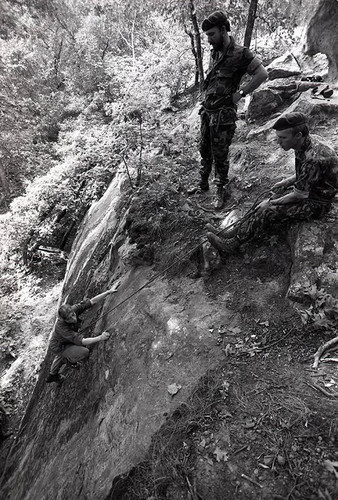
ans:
(304, 129)
(216, 19)
(64, 311)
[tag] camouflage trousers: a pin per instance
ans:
(277, 218)
(73, 353)
(217, 131)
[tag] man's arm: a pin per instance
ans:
(293, 197)
(259, 75)
(285, 183)
(94, 340)
(102, 296)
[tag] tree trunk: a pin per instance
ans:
(3, 181)
(193, 49)
(197, 45)
(250, 22)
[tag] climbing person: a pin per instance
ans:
(229, 62)
(314, 186)
(67, 343)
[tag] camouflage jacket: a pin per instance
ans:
(317, 170)
(225, 72)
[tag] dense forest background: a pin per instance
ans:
(82, 86)
(72, 72)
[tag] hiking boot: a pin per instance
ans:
(203, 186)
(54, 378)
(213, 229)
(224, 247)
(219, 203)
(76, 366)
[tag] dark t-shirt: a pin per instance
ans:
(67, 333)
(226, 70)
(317, 170)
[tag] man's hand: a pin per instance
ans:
(262, 206)
(115, 286)
(278, 186)
(105, 335)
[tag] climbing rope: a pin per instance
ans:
(183, 256)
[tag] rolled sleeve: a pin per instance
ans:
(82, 306)
(254, 64)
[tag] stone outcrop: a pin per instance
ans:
(263, 103)
(74, 440)
(283, 67)
(318, 110)
(314, 279)
(322, 35)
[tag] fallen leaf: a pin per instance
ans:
(268, 459)
(234, 330)
(221, 455)
(331, 467)
(174, 388)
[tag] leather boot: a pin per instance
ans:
(213, 229)
(224, 247)
(203, 186)
(219, 203)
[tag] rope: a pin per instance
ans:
(183, 256)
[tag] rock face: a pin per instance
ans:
(263, 103)
(314, 280)
(76, 438)
(322, 35)
(283, 67)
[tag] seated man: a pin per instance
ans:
(67, 343)
(314, 184)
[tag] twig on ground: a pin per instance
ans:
(239, 451)
(322, 349)
(323, 391)
(251, 480)
(277, 341)
(330, 360)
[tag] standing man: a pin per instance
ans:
(67, 343)
(313, 187)
(229, 62)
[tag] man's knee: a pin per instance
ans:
(76, 353)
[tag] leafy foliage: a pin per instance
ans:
(323, 312)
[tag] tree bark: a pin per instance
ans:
(250, 22)
(3, 181)
(197, 45)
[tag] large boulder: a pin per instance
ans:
(314, 278)
(263, 103)
(318, 111)
(322, 35)
(283, 67)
